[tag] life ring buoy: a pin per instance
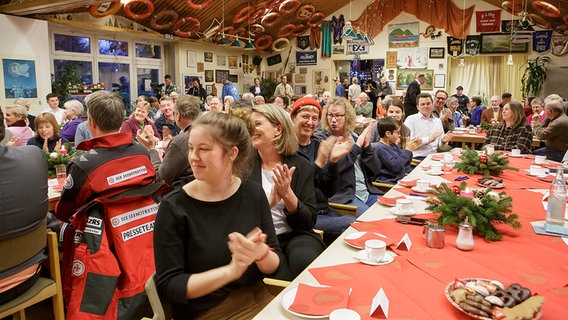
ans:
(270, 19)
(546, 9)
(539, 21)
(256, 29)
(316, 19)
(194, 6)
(299, 30)
(273, 5)
(305, 12)
(95, 13)
(243, 14)
(263, 42)
(280, 44)
(171, 15)
(139, 16)
(285, 30)
(186, 34)
(512, 7)
(256, 16)
(288, 6)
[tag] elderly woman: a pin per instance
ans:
(16, 116)
(228, 102)
(513, 132)
(47, 135)
(138, 120)
(287, 179)
(73, 112)
(25, 103)
(537, 107)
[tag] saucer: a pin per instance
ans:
(410, 212)
(519, 156)
(433, 173)
(415, 189)
(361, 255)
(528, 172)
(541, 164)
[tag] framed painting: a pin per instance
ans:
(233, 62)
(200, 67)
(405, 76)
(191, 59)
(391, 59)
(19, 78)
(209, 76)
(221, 75)
(208, 89)
(437, 53)
(300, 90)
(300, 78)
(439, 81)
(234, 78)
(208, 56)
(338, 49)
(501, 43)
(221, 60)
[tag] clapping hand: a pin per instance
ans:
(365, 138)
(342, 146)
(14, 141)
(282, 178)
(324, 151)
(146, 137)
(247, 249)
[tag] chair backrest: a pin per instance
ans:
(344, 209)
(42, 289)
(161, 311)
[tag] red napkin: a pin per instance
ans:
(360, 242)
(389, 201)
(408, 183)
(319, 301)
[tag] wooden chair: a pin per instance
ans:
(344, 208)
(161, 311)
(275, 286)
(42, 289)
(383, 186)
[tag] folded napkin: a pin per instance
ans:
(389, 201)
(408, 183)
(319, 301)
(360, 242)
(55, 184)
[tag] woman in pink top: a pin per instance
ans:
(16, 117)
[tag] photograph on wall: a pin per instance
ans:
(188, 80)
(221, 60)
(300, 90)
(437, 53)
(404, 35)
(320, 80)
(233, 62)
(405, 76)
(300, 78)
(303, 70)
(391, 59)
(208, 89)
(19, 78)
(191, 58)
(439, 81)
(208, 75)
(200, 67)
(221, 75)
(412, 58)
(208, 56)
(338, 49)
(234, 78)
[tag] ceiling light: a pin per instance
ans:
(249, 45)
(236, 43)
(223, 41)
(462, 63)
(510, 60)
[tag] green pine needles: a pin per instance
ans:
(474, 162)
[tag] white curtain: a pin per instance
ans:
(486, 76)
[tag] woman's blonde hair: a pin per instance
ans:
(47, 117)
(18, 110)
(286, 143)
(350, 116)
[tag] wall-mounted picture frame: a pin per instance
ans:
(303, 70)
(221, 75)
(209, 76)
(19, 78)
(405, 76)
(191, 58)
(234, 78)
(338, 49)
(208, 56)
(437, 53)
(501, 43)
(208, 89)
(391, 59)
(200, 67)
(439, 81)
(233, 62)
(300, 78)
(221, 60)
(300, 90)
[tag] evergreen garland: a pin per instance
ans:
(485, 208)
(485, 126)
(473, 162)
(58, 157)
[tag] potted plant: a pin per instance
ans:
(534, 75)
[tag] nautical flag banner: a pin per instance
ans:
(541, 40)
(488, 21)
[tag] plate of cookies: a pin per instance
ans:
(491, 182)
(488, 299)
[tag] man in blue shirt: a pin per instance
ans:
(339, 88)
(229, 89)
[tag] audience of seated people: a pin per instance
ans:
(553, 130)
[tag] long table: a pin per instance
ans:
(479, 139)
(415, 281)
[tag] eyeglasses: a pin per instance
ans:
(336, 116)
(441, 98)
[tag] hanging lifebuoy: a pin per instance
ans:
(139, 16)
(539, 21)
(305, 12)
(256, 16)
(171, 15)
(94, 9)
(546, 9)
(198, 6)
(280, 44)
(512, 7)
(256, 29)
(263, 42)
(299, 30)
(178, 24)
(274, 4)
(243, 14)
(316, 19)
(288, 6)
(270, 19)
(285, 30)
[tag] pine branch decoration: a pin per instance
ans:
(483, 210)
(473, 162)
(58, 157)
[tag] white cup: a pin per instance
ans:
(457, 151)
(403, 205)
(516, 152)
(540, 159)
(436, 168)
(375, 249)
(537, 170)
(344, 314)
(448, 157)
(422, 185)
(489, 149)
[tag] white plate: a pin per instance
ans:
(528, 172)
(357, 235)
(415, 189)
(288, 299)
(439, 173)
(519, 156)
(362, 256)
(394, 211)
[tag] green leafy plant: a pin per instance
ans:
(485, 126)
(534, 75)
(473, 162)
(61, 80)
(269, 87)
(58, 157)
(482, 207)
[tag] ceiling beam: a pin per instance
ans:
(23, 8)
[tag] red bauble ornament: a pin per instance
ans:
(456, 190)
(483, 158)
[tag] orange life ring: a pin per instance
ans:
(256, 16)
(198, 6)
(270, 19)
(243, 14)
(305, 12)
(286, 30)
(256, 29)
(546, 9)
(171, 15)
(288, 6)
(299, 30)
(139, 16)
(512, 7)
(94, 9)
(263, 42)
(316, 19)
(273, 4)
(178, 24)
